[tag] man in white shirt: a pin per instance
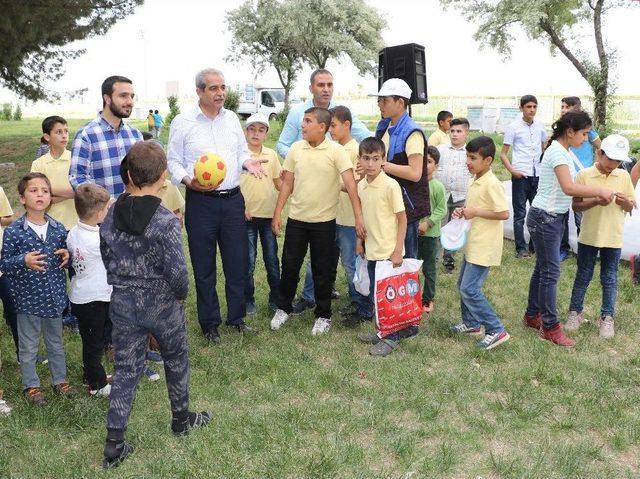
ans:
(214, 216)
(527, 137)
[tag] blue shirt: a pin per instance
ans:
(157, 120)
(585, 151)
(42, 294)
(292, 129)
(97, 151)
(550, 196)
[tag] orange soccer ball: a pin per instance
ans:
(210, 170)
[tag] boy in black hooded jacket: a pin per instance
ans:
(141, 246)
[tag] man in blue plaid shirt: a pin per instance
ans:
(101, 144)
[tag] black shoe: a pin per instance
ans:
(409, 332)
(212, 336)
(449, 267)
(302, 305)
(523, 254)
(115, 453)
(349, 309)
(192, 420)
(244, 328)
(352, 320)
(334, 295)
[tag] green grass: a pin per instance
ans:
(290, 405)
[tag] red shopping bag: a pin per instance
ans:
(398, 296)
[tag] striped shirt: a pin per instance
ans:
(550, 196)
(97, 151)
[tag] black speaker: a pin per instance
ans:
(408, 63)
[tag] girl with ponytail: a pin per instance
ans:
(545, 221)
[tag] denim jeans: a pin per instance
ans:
(9, 310)
(546, 232)
(261, 227)
(411, 240)
(29, 328)
(609, 260)
(447, 256)
(476, 310)
(346, 239)
(523, 190)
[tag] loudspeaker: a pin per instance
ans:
(408, 63)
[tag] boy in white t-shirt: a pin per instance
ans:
(90, 293)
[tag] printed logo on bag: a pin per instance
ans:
(410, 288)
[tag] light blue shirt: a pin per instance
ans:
(292, 129)
(585, 151)
(550, 196)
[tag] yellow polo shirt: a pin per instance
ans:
(57, 170)
(260, 194)
(381, 200)
(5, 210)
(414, 146)
(484, 238)
(602, 225)
(344, 216)
(171, 197)
(316, 172)
(438, 137)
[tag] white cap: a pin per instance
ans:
(616, 147)
(257, 118)
(394, 87)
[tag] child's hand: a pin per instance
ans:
(469, 213)
(624, 201)
(457, 213)
(606, 195)
(276, 225)
(422, 228)
(359, 249)
(37, 261)
(361, 231)
(64, 257)
(396, 259)
(247, 215)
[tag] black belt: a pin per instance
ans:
(221, 193)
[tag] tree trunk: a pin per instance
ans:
(601, 88)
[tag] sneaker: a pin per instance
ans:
(490, 341)
(151, 374)
(410, 332)
(5, 409)
(302, 305)
(193, 420)
(352, 320)
(606, 327)
(462, 328)
(348, 309)
(321, 326)
(35, 396)
(115, 453)
(251, 308)
(556, 336)
(428, 306)
(383, 348)
(369, 338)
(279, 318)
(102, 392)
(564, 254)
(64, 389)
(212, 336)
(523, 254)
(449, 267)
(154, 357)
(574, 320)
(534, 322)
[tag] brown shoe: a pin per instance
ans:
(534, 322)
(556, 335)
(35, 396)
(64, 389)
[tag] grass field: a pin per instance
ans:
(287, 404)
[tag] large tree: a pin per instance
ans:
(557, 23)
(34, 35)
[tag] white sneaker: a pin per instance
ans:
(606, 327)
(5, 409)
(321, 326)
(278, 319)
(102, 392)
(574, 320)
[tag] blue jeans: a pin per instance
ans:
(346, 239)
(29, 328)
(476, 310)
(9, 310)
(523, 190)
(411, 240)
(261, 227)
(609, 260)
(546, 232)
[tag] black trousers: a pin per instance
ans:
(320, 238)
(91, 320)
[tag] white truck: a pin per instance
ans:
(254, 99)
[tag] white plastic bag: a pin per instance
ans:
(361, 276)
(453, 235)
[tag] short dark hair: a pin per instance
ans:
(372, 145)
(572, 101)
(145, 162)
(319, 71)
(443, 115)
(49, 122)
(150, 111)
(322, 115)
(460, 122)
(107, 84)
(342, 114)
(405, 101)
(156, 111)
(24, 181)
(483, 145)
(146, 135)
(89, 199)
(527, 99)
(434, 153)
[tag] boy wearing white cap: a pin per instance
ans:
(260, 196)
(601, 231)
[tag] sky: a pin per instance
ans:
(167, 40)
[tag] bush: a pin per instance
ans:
(17, 115)
(281, 117)
(174, 109)
(6, 112)
(232, 100)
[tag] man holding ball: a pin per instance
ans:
(214, 215)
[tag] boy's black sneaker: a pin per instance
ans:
(352, 320)
(115, 452)
(180, 425)
(213, 336)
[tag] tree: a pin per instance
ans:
(338, 28)
(34, 34)
(174, 109)
(263, 33)
(232, 100)
(554, 22)
(17, 114)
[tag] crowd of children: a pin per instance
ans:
(383, 199)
